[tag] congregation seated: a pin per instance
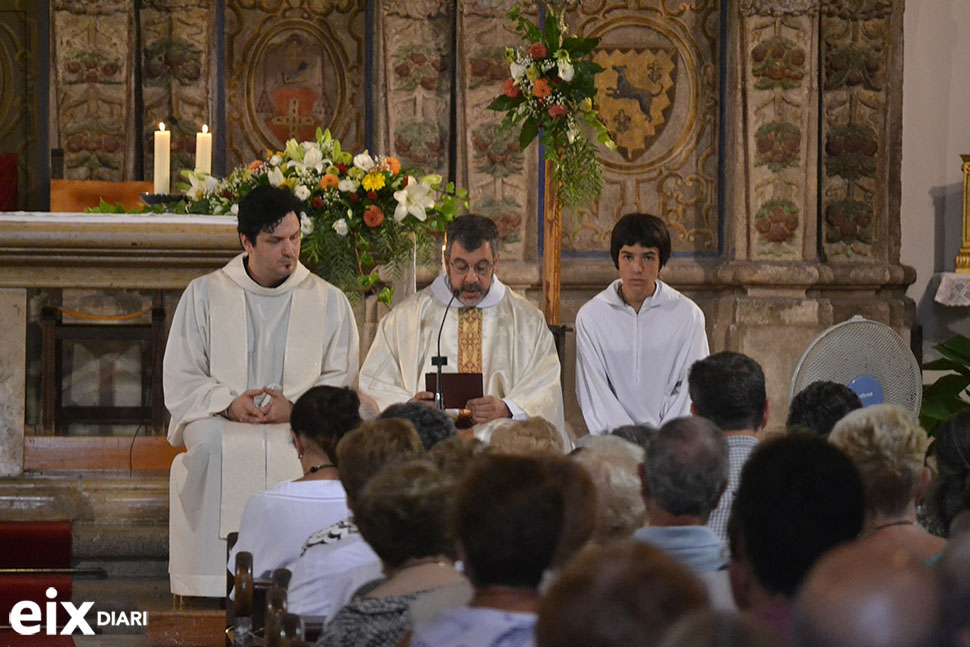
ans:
(614, 465)
(711, 628)
(433, 425)
(616, 596)
(335, 561)
(888, 447)
(798, 498)
(636, 434)
(868, 595)
(276, 522)
(684, 473)
(820, 405)
(402, 514)
(507, 519)
(534, 436)
(728, 389)
(949, 492)
(455, 456)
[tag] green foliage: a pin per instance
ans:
(948, 395)
(551, 91)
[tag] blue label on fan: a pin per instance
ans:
(868, 389)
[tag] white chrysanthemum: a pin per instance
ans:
(301, 192)
(348, 185)
(275, 160)
(234, 209)
(341, 227)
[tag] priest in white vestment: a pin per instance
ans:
(636, 340)
(246, 341)
(488, 329)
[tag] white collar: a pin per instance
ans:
(441, 291)
(612, 296)
(237, 272)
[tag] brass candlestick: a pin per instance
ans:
(963, 257)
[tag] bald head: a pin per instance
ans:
(867, 595)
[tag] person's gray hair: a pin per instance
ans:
(612, 462)
(686, 466)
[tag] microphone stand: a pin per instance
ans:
(440, 360)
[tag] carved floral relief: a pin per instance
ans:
(855, 60)
(94, 99)
(778, 115)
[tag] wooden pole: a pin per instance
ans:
(551, 250)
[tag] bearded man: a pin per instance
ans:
(488, 329)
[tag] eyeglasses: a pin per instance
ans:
(461, 268)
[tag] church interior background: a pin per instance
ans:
(769, 134)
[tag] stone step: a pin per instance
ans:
(118, 543)
(97, 497)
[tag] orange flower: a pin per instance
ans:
(329, 180)
(510, 88)
(557, 110)
(393, 165)
(255, 164)
(373, 216)
(541, 89)
(537, 50)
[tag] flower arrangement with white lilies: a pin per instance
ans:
(361, 210)
(551, 89)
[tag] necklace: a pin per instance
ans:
(321, 466)
(883, 526)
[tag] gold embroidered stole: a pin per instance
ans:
(470, 340)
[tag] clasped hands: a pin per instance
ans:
(482, 409)
(244, 408)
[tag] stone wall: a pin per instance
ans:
(766, 133)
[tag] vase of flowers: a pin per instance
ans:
(363, 211)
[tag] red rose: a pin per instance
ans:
(373, 216)
(557, 110)
(342, 168)
(317, 202)
(510, 88)
(537, 50)
(372, 196)
(353, 197)
(406, 178)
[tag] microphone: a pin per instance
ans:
(439, 360)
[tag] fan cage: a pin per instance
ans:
(862, 347)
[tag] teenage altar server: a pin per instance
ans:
(636, 340)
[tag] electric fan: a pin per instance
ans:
(868, 357)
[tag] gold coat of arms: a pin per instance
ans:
(634, 94)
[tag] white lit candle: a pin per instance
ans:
(163, 146)
(203, 151)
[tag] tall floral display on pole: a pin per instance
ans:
(550, 95)
(362, 211)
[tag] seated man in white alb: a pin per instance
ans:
(636, 340)
(276, 522)
(245, 341)
(490, 330)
